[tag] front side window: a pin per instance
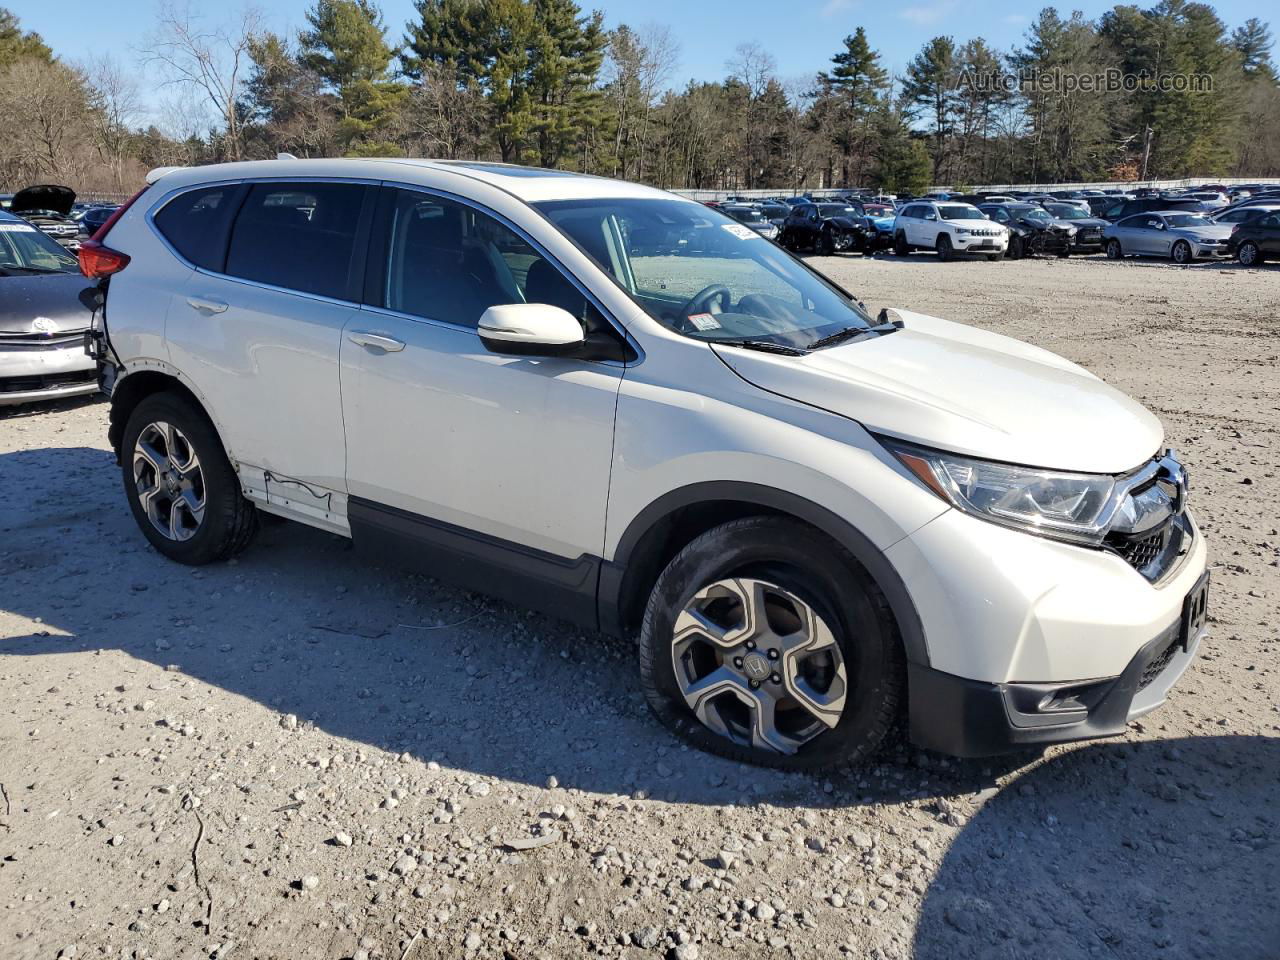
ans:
(450, 262)
(25, 250)
(196, 223)
(300, 236)
(1188, 220)
(959, 211)
(702, 275)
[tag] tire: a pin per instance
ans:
(1017, 249)
(993, 257)
(1114, 250)
(1249, 254)
(1064, 253)
(900, 247)
(797, 563)
(943, 245)
(1181, 252)
(824, 247)
(176, 432)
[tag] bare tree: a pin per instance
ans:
(44, 116)
(210, 59)
(116, 110)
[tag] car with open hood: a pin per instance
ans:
(827, 227)
(49, 207)
(43, 318)
(1032, 229)
(1088, 235)
(1182, 237)
(816, 519)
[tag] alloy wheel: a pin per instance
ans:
(758, 665)
(1248, 254)
(169, 481)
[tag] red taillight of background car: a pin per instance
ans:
(97, 261)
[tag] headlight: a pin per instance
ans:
(1065, 506)
(963, 230)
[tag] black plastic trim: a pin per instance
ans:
(522, 575)
(613, 574)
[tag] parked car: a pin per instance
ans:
(1032, 229)
(42, 318)
(815, 519)
(775, 212)
(1088, 235)
(1182, 237)
(94, 218)
(1255, 241)
(1127, 208)
(826, 228)
(948, 229)
(48, 206)
(753, 218)
(1212, 200)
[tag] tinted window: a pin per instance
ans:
(448, 261)
(300, 236)
(196, 223)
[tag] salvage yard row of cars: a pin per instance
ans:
(1204, 223)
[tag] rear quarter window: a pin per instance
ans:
(195, 223)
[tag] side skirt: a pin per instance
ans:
(475, 561)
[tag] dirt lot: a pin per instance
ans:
(293, 756)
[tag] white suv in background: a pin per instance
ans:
(627, 409)
(949, 229)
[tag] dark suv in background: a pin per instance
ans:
(1127, 208)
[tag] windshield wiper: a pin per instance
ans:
(12, 266)
(764, 346)
(850, 333)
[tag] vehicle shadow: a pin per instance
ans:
(304, 625)
(1163, 849)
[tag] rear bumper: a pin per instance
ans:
(972, 718)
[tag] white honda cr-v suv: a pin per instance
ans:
(622, 407)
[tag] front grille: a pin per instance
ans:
(41, 341)
(1157, 664)
(1139, 553)
(47, 381)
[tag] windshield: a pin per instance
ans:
(1065, 211)
(836, 210)
(745, 214)
(1188, 220)
(775, 211)
(1030, 213)
(702, 275)
(25, 250)
(949, 211)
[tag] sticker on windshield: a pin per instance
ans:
(17, 228)
(739, 231)
(704, 321)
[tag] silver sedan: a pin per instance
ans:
(1182, 237)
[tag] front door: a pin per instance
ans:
(503, 461)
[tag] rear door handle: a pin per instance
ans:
(377, 340)
(206, 305)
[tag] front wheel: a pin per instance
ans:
(825, 246)
(1114, 251)
(181, 487)
(1181, 252)
(900, 247)
(1249, 254)
(944, 248)
(766, 642)
(1017, 249)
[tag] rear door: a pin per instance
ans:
(258, 331)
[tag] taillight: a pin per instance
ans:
(97, 261)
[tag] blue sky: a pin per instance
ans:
(801, 34)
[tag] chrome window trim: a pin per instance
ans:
(618, 327)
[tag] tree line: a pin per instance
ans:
(1139, 93)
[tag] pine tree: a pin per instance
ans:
(17, 44)
(1253, 42)
(856, 84)
(930, 85)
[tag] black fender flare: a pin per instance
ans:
(613, 583)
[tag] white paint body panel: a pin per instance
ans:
(562, 456)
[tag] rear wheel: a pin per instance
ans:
(1181, 252)
(1114, 250)
(765, 642)
(944, 248)
(900, 247)
(181, 487)
(1249, 254)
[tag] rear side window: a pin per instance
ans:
(196, 223)
(301, 236)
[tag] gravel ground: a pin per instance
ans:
(294, 756)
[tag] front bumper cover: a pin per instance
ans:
(972, 718)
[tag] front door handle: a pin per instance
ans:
(377, 340)
(205, 305)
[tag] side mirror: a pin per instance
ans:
(530, 330)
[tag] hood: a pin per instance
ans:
(954, 387)
(845, 223)
(1216, 231)
(884, 224)
(45, 303)
(47, 196)
(1090, 222)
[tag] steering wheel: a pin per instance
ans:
(701, 302)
